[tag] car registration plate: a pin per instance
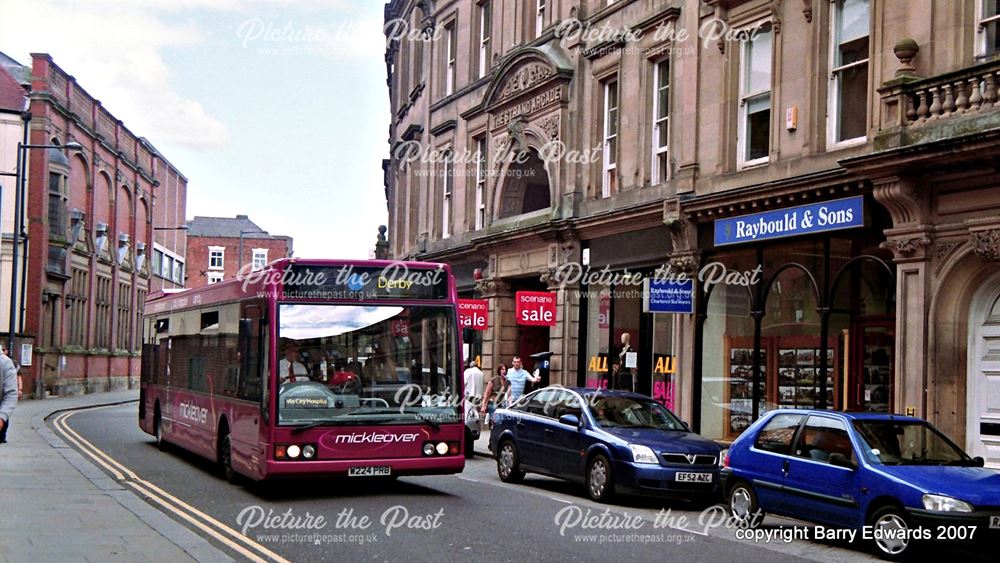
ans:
(693, 477)
(370, 471)
(994, 522)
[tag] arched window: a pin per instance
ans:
(526, 186)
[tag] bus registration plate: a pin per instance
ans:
(370, 471)
(694, 477)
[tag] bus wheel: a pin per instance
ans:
(161, 444)
(226, 459)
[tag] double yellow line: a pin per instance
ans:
(201, 521)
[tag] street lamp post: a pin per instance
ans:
(19, 199)
(239, 256)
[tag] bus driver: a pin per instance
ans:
(290, 369)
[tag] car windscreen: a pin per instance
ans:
(892, 442)
(367, 364)
(629, 412)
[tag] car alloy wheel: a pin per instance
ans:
(890, 533)
(508, 466)
(743, 506)
(599, 483)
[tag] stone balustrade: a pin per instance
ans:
(958, 102)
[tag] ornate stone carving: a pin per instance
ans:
(551, 280)
(776, 16)
(678, 225)
(986, 244)
(684, 263)
(524, 78)
(906, 247)
(900, 198)
(944, 249)
(551, 127)
(429, 22)
(492, 287)
(516, 130)
(807, 10)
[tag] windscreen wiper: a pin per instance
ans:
(304, 427)
(430, 422)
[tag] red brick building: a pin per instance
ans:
(213, 251)
(94, 219)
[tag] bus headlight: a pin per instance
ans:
(309, 451)
(442, 448)
(293, 451)
(428, 448)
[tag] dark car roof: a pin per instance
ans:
(608, 393)
(852, 415)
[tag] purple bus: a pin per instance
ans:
(310, 367)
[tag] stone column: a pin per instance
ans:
(909, 240)
(564, 338)
(685, 258)
(500, 337)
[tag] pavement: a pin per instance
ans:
(482, 446)
(58, 506)
(55, 505)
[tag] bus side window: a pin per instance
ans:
(250, 386)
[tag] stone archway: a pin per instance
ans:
(983, 393)
(525, 187)
(961, 279)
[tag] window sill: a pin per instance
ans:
(751, 164)
(839, 145)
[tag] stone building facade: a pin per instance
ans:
(94, 218)
(627, 136)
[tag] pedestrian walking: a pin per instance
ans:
(8, 388)
(518, 378)
(496, 394)
(474, 383)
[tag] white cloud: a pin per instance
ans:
(352, 40)
(115, 54)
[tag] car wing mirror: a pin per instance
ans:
(570, 420)
(686, 426)
(978, 461)
(841, 460)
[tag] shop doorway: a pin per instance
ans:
(983, 399)
(531, 340)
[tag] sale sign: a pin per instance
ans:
(535, 308)
(473, 313)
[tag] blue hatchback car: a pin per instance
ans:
(612, 441)
(893, 480)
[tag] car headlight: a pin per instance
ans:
(642, 454)
(941, 503)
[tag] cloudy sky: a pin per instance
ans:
(276, 109)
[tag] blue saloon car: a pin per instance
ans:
(612, 441)
(894, 480)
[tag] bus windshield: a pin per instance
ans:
(366, 364)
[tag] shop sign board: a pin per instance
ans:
(846, 213)
(473, 313)
(668, 296)
(535, 308)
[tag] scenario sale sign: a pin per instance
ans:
(473, 313)
(535, 308)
